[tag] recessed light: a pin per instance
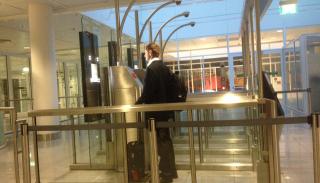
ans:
(280, 30)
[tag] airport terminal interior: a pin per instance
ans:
(72, 70)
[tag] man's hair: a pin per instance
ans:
(154, 48)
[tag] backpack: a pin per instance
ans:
(176, 89)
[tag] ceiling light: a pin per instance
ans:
(280, 30)
(288, 7)
(25, 69)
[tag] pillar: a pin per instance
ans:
(43, 61)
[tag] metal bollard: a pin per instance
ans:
(154, 151)
(192, 151)
(316, 146)
(200, 137)
(125, 154)
(206, 136)
(25, 153)
(275, 145)
(73, 136)
(15, 144)
(36, 154)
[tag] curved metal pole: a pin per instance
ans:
(119, 49)
(186, 14)
(126, 14)
(154, 12)
(184, 25)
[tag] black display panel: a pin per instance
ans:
(144, 61)
(89, 50)
(112, 52)
(132, 57)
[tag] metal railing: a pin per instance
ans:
(270, 122)
(297, 108)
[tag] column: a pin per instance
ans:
(43, 61)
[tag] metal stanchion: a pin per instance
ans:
(316, 146)
(275, 144)
(73, 136)
(206, 136)
(25, 153)
(192, 151)
(125, 158)
(200, 137)
(15, 144)
(36, 154)
(309, 101)
(154, 151)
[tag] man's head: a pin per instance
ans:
(152, 51)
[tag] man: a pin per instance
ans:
(155, 91)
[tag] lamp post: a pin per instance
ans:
(185, 14)
(119, 26)
(138, 38)
(192, 24)
(178, 2)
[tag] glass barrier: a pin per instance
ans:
(233, 143)
(296, 153)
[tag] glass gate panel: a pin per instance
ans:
(72, 85)
(3, 83)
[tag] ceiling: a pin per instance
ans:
(11, 9)
(14, 28)
(14, 35)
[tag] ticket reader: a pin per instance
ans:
(125, 88)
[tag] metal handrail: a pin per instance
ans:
(271, 121)
(145, 108)
(70, 97)
(165, 124)
(295, 91)
(10, 100)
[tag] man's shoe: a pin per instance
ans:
(165, 179)
(172, 176)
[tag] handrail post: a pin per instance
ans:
(154, 151)
(73, 136)
(13, 116)
(272, 138)
(200, 138)
(206, 136)
(36, 154)
(25, 153)
(192, 151)
(275, 145)
(125, 154)
(316, 146)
